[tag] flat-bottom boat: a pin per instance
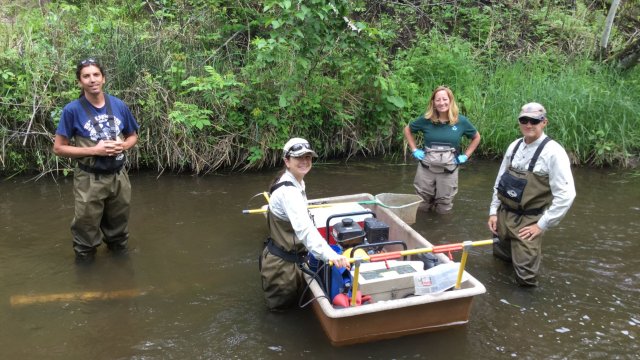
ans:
(392, 317)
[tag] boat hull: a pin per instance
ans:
(394, 323)
(398, 317)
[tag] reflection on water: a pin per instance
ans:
(190, 286)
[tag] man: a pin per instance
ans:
(96, 130)
(533, 191)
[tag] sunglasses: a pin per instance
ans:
(526, 120)
(88, 61)
(298, 147)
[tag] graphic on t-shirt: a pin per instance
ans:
(103, 124)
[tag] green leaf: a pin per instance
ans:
(283, 101)
(397, 101)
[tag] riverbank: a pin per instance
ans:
(221, 88)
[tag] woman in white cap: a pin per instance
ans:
(292, 232)
(533, 191)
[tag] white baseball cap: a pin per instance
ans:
(297, 147)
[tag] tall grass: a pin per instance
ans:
(219, 86)
(593, 110)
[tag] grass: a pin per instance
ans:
(344, 98)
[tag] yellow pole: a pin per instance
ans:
(264, 210)
(254, 211)
(465, 247)
(482, 242)
(354, 286)
(416, 251)
(313, 206)
(463, 262)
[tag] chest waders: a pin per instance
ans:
(524, 196)
(279, 263)
(436, 180)
(102, 194)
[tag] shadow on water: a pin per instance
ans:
(190, 289)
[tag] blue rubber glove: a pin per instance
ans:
(418, 154)
(462, 159)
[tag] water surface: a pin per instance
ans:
(190, 288)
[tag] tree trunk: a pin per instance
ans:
(604, 42)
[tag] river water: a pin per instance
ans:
(190, 288)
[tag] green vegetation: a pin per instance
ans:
(223, 84)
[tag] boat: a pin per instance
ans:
(395, 316)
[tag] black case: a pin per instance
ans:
(375, 231)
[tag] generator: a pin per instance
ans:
(348, 233)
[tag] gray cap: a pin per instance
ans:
(534, 111)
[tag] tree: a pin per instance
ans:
(608, 24)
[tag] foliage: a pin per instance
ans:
(223, 84)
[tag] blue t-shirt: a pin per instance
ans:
(443, 133)
(74, 120)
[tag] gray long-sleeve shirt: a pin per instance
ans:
(554, 162)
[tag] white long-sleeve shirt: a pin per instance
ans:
(553, 161)
(289, 203)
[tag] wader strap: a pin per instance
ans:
(111, 120)
(278, 185)
(102, 135)
(288, 256)
(515, 149)
(521, 212)
(89, 169)
(536, 155)
(274, 188)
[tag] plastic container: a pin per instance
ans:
(437, 279)
(405, 206)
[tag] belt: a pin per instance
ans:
(288, 256)
(444, 168)
(521, 212)
(89, 169)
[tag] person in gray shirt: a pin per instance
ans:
(533, 191)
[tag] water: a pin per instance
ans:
(190, 288)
